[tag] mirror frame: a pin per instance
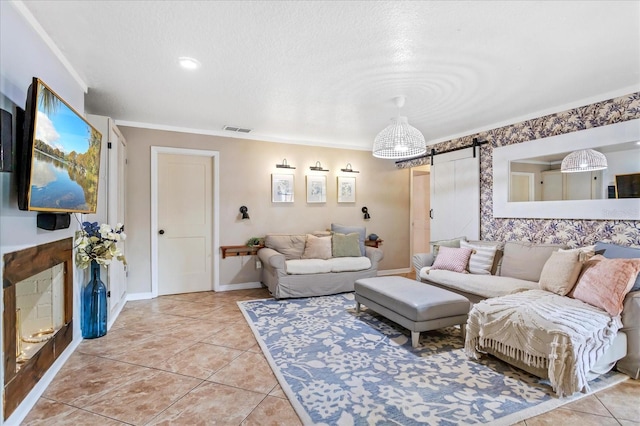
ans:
(613, 134)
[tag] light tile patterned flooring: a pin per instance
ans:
(191, 359)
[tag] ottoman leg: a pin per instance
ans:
(415, 338)
(463, 331)
(357, 307)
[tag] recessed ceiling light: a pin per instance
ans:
(189, 63)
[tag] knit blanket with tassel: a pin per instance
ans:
(563, 335)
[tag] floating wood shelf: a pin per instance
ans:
(228, 251)
(377, 243)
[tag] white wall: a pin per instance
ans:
(24, 55)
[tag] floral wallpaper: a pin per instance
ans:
(574, 233)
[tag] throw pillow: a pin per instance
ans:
(454, 242)
(481, 259)
(360, 230)
(585, 253)
(614, 251)
(605, 282)
(560, 273)
(317, 247)
(346, 245)
(452, 259)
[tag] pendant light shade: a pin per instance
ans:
(584, 160)
(399, 139)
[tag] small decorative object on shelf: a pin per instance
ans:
(96, 245)
(254, 242)
(373, 237)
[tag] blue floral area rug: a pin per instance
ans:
(342, 368)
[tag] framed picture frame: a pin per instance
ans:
(346, 189)
(282, 189)
(316, 189)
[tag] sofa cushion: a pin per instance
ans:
(321, 266)
(481, 260)
(454, 242)
(360, 230)
(561, 272)
(290, 245)
(525, 260)
(346, 245)
(452, 259)
(482, 285)
(346, 264)
(317, 247)
(604, 283)
(614, 251)
(307, 266)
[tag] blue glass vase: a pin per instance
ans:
(94, 305)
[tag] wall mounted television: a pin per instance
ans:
(59, 159)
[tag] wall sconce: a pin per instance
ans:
(318, 167)
(348, 169)
(284, 165)
(244, 211)
(367, 216)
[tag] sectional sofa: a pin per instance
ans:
(516, 267)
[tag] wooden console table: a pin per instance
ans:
(228, 251)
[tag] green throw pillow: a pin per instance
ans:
(346, 245)
(453, 243)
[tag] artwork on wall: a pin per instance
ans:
(316, 189)
(281, 188)
(346, 189)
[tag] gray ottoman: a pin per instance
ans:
(413, 305)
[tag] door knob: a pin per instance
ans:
(161, 231)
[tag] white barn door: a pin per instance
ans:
(455, 195)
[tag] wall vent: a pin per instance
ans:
(236, 129)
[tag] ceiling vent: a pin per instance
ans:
(236, 129)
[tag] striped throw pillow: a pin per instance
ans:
(452, 259)
(481, 259)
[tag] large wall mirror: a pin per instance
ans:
(528, 183)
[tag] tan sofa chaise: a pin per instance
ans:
(516, 268)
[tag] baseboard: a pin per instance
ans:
(32, 398)
(239, 286)
(394, 272)
(139, 296)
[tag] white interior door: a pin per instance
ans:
(185, 212)
(421, 207)
(455, 196)
(521, 186)
(116, 211)
(552, 185)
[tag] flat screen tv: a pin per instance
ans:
(59, 160)
(628, 185)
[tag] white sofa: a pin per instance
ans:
(287, 274)
(517, 267)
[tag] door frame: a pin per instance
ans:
(215, 155)
(423, 169)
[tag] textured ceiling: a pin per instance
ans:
(326, 73)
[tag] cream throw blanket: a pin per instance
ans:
(543, 330)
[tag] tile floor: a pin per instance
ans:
(191, 359)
